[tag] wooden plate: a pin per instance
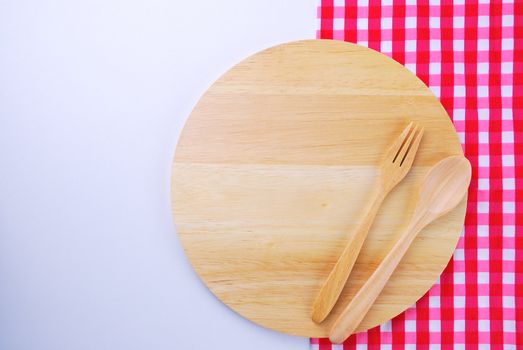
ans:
(274, 166)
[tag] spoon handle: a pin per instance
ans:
(333, 285)
(360, 304)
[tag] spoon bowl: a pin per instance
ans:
(442, 190)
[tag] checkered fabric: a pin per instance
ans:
(470, 54)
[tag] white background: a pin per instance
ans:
(93, 95)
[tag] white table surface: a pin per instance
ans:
(93, 95)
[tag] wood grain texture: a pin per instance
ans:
(273, 166)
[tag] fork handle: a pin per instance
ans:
(360, 304)
(333, 285)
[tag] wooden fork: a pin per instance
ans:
(394, 166)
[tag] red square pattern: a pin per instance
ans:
(470, 54)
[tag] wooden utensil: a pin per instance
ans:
(442, 190)
(394, 166)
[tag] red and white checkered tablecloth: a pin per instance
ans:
(470, 53)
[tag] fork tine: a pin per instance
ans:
(405, 147)
(412, 150)
(396, 146)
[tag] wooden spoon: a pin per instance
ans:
(442, 190)
(394, 166)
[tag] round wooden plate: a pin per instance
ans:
(274, 167)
